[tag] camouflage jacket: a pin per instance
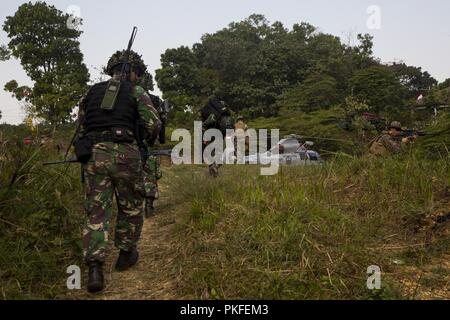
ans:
(386, 144)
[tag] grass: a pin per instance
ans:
(308, 233)
(40, 219)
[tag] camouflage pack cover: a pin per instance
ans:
(376, 148)
(119, 57)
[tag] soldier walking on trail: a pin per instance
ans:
(391, 142)
(115, 166)
(215, 115)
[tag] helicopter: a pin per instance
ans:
(289, 151)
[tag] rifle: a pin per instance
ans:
(409, 133)
(154, 153)
(160, 153)
(114, 85)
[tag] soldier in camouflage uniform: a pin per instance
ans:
(115, 167)
(390, 142)
(152, 165)
(152, 174)
(223, 123)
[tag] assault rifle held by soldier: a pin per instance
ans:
(407, 133)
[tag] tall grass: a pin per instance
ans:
(40, 216)
(308, 233)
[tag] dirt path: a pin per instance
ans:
(154, 277)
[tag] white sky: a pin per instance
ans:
(417, 32)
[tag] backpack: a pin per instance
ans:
(376, 148)
(214, 106)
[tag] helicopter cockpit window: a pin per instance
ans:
(313, 157)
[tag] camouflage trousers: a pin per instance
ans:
(214, 169)
(114, 170)
(152, 173)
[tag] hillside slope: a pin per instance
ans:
(306, 233)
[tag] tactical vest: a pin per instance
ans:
(124, 115)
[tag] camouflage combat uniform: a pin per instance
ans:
(152, 173)
(386, 145)
(116, 169)
(152, 167)
(224, 123)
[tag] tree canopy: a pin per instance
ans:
(50, 55)
(258, 67)
(4, 53)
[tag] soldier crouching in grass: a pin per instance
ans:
(115, 166)
(390, 142)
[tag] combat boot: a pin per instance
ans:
(127, 259)
(149, 208)
(95, 281)
(214, 170)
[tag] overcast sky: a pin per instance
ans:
(416, 32)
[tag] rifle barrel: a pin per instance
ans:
(167, 153)
(51, 163)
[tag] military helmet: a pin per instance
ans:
(135, 60)
(395, 125)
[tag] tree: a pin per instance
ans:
(445, 84)
(379, 87)
(49, 53)
(413, 78)
(437, 97)
(178, 76)
(258, 67)
(319, 91)
(4, 53)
